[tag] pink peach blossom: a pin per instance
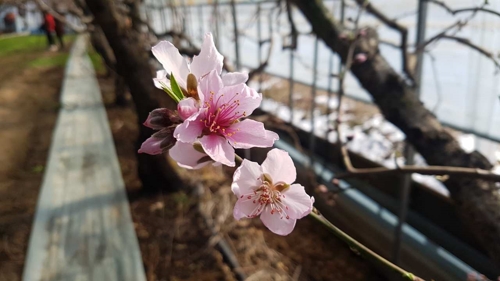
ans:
(268, 191)
(218, 126)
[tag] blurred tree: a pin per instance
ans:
(132, 63)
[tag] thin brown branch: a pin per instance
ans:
(293, 29)
(263, 64)
(429, 170)
(403, 31)
(461, 40)
(421, 47)
(389, 43)
(347, 66)
(468, 43)
(457, 11)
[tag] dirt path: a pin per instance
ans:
(29, 96)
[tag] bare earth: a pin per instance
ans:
(29, 99)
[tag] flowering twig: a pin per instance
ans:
(361, 249)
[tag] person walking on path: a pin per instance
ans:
(49, 26)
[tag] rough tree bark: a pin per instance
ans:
(132, 64)
(102, 47)
(477, 201)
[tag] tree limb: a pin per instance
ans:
(477, 201)
(429, 170)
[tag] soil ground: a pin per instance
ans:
(30, 80)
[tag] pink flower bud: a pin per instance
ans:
(360, 58)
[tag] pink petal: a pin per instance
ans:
(187, 157)
(246, 208)
(208, 59)
(190, 129)
(151, 146)
(250, 133)
(173, 62)
(245, 178)
(234, 78)
(218, 149)
(187, 107)
(298, 203)
(161, 80)
(279, 166)
(248, 99)
(277, 222)
(210, 83)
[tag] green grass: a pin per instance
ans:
(29, 43)
(36, 45)
(97, 62)
(34, 49)
(52, 61)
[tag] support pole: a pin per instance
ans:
(409, 151)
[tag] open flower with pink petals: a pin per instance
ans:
(268, 191)
(211, 105)
(218, 126)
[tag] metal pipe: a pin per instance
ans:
(330, 71)
(312, 136)
(200, 20)
(235, 31)
(217, 27)
(290, 83)
(162, 16)
(259, 40)
(409, 151)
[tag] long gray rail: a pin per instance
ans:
(82, 228)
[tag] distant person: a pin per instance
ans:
(9, 21)
(60, 32)
(49, 27)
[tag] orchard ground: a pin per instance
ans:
(174, 239)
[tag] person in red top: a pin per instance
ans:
(49, 26)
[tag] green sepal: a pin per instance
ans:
(176, 90)
(170, 93)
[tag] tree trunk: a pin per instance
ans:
(132, 64)
(102, 47)
(477, 201)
